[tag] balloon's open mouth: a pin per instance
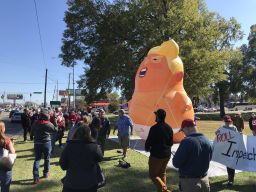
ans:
(143, 72)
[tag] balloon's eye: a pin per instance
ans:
(157, 59)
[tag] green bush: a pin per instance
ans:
(113, 107)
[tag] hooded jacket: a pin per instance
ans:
(42, 130)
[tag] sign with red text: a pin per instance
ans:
(235, 150)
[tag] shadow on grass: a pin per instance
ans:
(25, 150)
(117, 157)
(222, 186)
(134, 179)
(43, 186)
(23, 182)
(51, 163)
(27, 157)
(19, 142)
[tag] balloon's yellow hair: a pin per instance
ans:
(170, 50)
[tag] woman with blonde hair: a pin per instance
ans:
(5, 142)
(87, 119)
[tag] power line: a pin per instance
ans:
(27, 83)
(39, 31)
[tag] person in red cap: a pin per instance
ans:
(229, 125)
(192, 159)
(159, 143)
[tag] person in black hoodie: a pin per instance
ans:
(80, 159)
(159, 143)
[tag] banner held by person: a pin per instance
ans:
(235, 150)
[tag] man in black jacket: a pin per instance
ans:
(104, 130)
(26, 123)
(41, 131)
(159, 143)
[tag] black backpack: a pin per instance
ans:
(123, 164)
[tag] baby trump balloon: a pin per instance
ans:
(159, 84)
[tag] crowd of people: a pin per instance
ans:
(85, 146)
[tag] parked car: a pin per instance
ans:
(16, 117)
(12, 112)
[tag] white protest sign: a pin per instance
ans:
(235, 150)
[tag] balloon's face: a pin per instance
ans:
(153, 74)
(159, 84)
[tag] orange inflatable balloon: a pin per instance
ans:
(159, 84)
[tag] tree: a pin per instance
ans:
(113, 38)
(113, 97)
(235, 73)
(249, 64)
(233, 83)
(113, 106)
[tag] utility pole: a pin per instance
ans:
(68, 90)
(74, 93)
(57, 93)
(45, 87)
(54, 94)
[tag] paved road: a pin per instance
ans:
(12, 129)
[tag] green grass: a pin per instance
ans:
(118, 180)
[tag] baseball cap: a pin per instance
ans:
(121, 110)
(44, 112)
(187, 123)
(227, 119)
(160, 113)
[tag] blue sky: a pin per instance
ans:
(22, 66)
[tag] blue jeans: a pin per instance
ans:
(40, 149)
(6, 179)
(54, 137)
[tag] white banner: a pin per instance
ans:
(235, 150)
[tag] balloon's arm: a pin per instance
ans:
(181, 99)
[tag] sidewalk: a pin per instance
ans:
(137, 144)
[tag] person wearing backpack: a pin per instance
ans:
(5, 142)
